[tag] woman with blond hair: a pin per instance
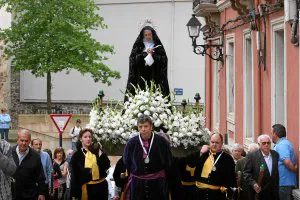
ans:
(4, 123)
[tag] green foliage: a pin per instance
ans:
(54, 35)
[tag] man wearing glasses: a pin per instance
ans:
(287, 166)
(261, 171)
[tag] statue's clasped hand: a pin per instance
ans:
(150, 50)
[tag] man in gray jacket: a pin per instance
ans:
(7, 169)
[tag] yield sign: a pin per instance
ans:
(60, 121)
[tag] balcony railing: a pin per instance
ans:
(197, 2)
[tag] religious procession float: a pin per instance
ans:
(148, 93)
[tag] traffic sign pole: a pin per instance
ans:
(60, 121)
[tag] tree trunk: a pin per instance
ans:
(49, 92)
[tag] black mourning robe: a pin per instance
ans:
(158, 71)
(81, 175)
(187, 167)
(174, 181)
(160, 159)
(119, 169)
(223, 176)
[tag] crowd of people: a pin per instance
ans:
(148, 170)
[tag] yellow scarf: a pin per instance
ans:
(91, 162)
(208, 165)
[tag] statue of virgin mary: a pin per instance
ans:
(148, 60)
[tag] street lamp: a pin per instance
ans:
(197, 97)
(100, 99)
(194, 28)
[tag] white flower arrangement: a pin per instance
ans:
(118, 125)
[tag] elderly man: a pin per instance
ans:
(29, 176)
(7, 169)
(214, 174)
(237, 150)
(287, 166)
(36, 144)
(239, 170)
(148, 158)
(261, 171)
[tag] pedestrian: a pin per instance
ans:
(89, 165)
(4, 123)
(287, 166)
(261, 171)
(237, 151)
(36, 144)
(120, 176)
(74, 132)
(239, 170)
(148, 158)
(214, 173)
(187, 167)
(29, 176)
(173, 174)
(60, 159)
(67, 195)
(7, 169)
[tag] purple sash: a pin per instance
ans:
(153, 176)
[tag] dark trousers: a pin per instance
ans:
(285, 192)
(59, 193)
(4, 133)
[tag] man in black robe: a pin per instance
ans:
(187, 167)
(120, 177)
(148, 158)
(215, 173)
(148, 43)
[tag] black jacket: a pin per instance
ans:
(29, 176)
(270, 183)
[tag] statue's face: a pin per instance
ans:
(148, 35)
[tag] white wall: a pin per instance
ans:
(5, 19)
(185, 70)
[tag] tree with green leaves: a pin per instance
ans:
(49, 36)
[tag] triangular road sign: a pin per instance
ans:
(61, 121)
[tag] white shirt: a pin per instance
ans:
(21, 156)
(74, 132)
(268, 159)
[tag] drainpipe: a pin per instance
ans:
(294, 38)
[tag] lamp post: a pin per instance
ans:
(214, 51)
(100, 99)
(183, 103)
(197, 97)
